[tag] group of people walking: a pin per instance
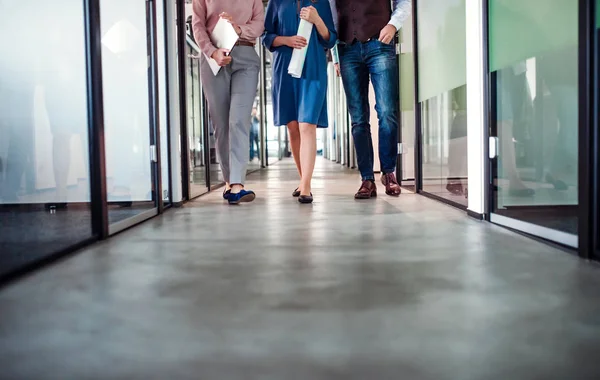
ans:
(361, 36)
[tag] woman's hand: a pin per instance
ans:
(220, 55)
(226, 16)
(296, 42)
(310, 14)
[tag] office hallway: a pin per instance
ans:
(403, 288)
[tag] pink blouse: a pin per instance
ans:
(248, 14)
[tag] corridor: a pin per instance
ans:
(403, 288)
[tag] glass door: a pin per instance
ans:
(129, 112)
(406, 66)
(197, 153)
(533, 59)
(45, 178)
(441, 93)
(257, 118)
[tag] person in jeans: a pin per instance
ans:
(365, 49)
(230, 93)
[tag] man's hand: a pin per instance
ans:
(337, 69)
(226, 16)
(220, 55)
(296, 42)
(387, 34)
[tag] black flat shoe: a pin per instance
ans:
(296, 193)
(305, 199)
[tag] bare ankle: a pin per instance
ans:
(305, 189)
(236, 188)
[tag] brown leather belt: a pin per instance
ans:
(244, 43)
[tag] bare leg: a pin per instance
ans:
(294, 134)
(308, 155)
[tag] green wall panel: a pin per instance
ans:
(521, 29)
(442, 46)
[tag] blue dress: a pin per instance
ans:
(298, 99)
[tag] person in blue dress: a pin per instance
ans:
(300, 103)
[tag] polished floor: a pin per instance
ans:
(403, 288)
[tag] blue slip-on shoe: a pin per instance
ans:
(242, 196)
(226, 194)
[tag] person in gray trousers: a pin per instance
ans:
(230, 93)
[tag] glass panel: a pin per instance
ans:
(126, 108)
(536, 111)
(254, 154)
(407, 99)
(162, 100)
(442, 46)
(521, 29)
(195, 124)
(44, 158)
(442, 95)
(273, 146)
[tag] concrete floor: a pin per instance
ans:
(402, 288)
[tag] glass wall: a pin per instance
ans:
(534, 69)
(441, 34)
(44, 160)
(407, 104)
(257, 119)
(127, 118)
(274, 133)
(338, 115)
(196, 119)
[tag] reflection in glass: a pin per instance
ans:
(442, 96)
(407, 105)
(44, 163)
(537, 137)
(254, 158)
(255, 136)
(195, 124)
(535, 94)
(273, 132)
(126, 108)
(445, 145)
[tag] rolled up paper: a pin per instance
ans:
(299, 55)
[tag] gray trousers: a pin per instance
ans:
(230, 95)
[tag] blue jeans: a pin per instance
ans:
(358, 62)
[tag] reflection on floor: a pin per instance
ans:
(440, 189)
(404, 288)
(118, 213)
